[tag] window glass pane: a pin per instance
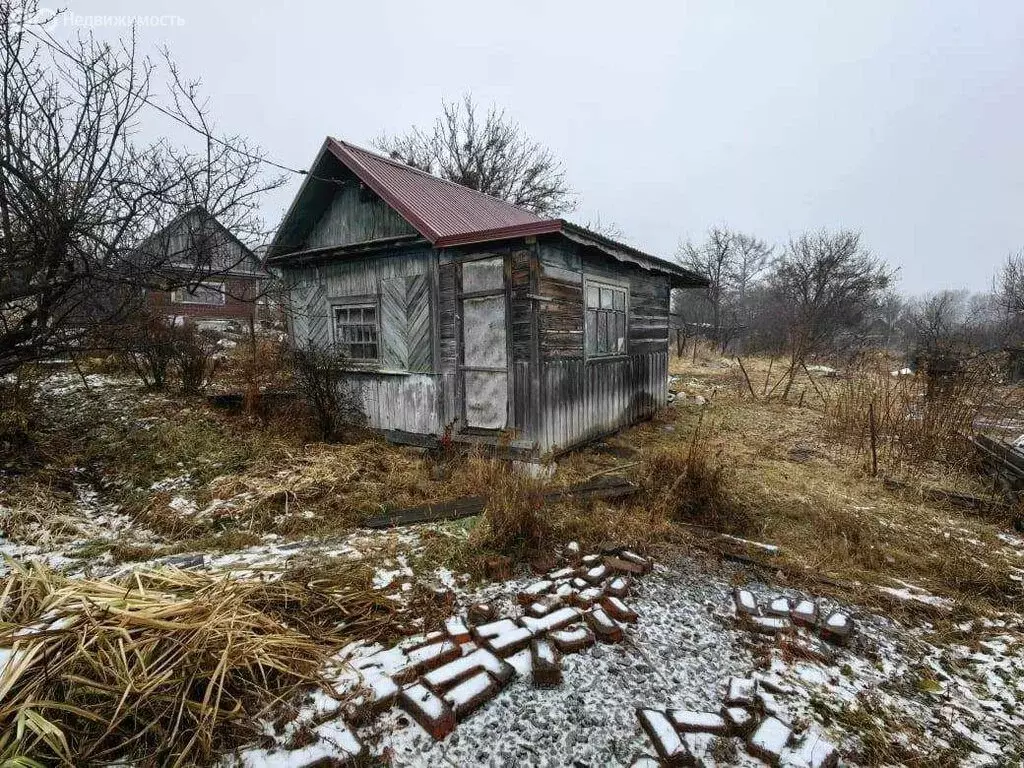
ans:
(591, 323)
(619, 299)
(602, 332)
(606, 298)
(483, 275)
(620, 332)
(355, 332)
(592, 297)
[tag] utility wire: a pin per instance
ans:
(47, 40)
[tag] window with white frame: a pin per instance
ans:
(203, 293)
(606, 319)
(356, 332)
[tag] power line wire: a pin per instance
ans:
(47, 40)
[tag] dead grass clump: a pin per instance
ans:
(164, 667)
(690, 483)
(165, 670)
(515, 522)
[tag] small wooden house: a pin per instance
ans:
(462, 315)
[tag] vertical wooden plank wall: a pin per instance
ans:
(582, 399)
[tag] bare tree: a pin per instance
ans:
(489, 153)
(715, 260)
(80, 194)
(750, 259)
(824, 284)
(939, 321)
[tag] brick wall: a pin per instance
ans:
(235, 307)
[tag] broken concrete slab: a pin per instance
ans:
(769, 740)
(740, 692)
(618, 610)
(573, 638)
(433, 714)
(545, 666)
(469, 695)
(604, 627)
(667, 743)
(688, 721)
(560, 574)
(767, 704)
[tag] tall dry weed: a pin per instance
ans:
(910, 418)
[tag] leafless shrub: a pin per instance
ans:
(689, 482)
(145, 343)
(318, 373)
(515, 522)
(195, 353)
(905, 422)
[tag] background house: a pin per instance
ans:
(461, 314)
(221, 277)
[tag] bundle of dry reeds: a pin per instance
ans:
(164, 667)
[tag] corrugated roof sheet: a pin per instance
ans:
(449, 214)
(439, 209)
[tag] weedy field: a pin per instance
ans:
(180, 578)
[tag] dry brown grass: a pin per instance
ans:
(167, 667)
(821, 505)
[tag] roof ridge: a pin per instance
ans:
(461, 187)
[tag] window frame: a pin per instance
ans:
(178, 294)
(621, 287)
(338, 344)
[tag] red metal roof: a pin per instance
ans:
(440, 210)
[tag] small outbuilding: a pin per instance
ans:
(464, 316)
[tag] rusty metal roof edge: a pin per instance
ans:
(628, 253)
(340, 150)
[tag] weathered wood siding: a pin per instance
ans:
(356, 215)
(405, 391)
(581, 398)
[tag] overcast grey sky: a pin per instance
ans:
(904, 120)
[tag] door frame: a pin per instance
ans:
(461, 367)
